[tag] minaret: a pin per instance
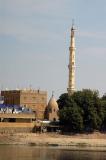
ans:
(71, 66)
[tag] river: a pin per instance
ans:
(24, 152)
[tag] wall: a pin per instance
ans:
(34, 99)
(6, 127)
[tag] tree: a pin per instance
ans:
(104, 97)
(70, 114)
(103, 106)
(82, 110)
(89, 101)
(65, 101)
(71, 119)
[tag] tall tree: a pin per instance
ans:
(70, 114)
(81, 111)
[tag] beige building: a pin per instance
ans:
(71, 82)
(34, 99)
(52, 110)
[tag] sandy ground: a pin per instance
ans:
(84, 141)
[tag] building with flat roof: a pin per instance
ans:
(34, 99)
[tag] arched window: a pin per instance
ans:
(54, 119)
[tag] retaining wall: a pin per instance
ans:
(6, 127)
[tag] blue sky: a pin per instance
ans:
(35, 39)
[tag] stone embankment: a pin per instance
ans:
(96, 141)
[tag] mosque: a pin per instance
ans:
(21, 109)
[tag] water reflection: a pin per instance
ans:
(11, 152)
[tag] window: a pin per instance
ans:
(54, 119)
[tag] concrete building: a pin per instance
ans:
(71, 66)
(34, 99)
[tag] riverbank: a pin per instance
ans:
(83, 141)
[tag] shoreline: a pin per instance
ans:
(86, 142)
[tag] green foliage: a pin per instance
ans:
(83, 111)
(65, 101)
(72, 119)
(103, 106)
(104, 97)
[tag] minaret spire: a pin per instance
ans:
(71, 83)
(72, 23)
(52, 93)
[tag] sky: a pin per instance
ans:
(35, 40)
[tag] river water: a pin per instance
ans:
(16, 152)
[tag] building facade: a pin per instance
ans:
(34, 99)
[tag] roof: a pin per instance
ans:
(52, 103)
(16, 107)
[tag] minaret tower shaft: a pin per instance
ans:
(71, 66)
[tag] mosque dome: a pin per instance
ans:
(52, 104)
